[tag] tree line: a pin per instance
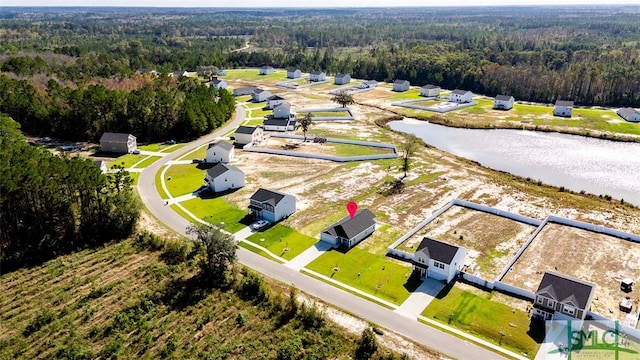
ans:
(52, 205)
(155, 109)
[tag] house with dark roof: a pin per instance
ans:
(222, 177)
(266, 70)
(348, 231)
(563, 108)
(629, 114)
(401, 85)
(260, 95)
(293, 73)
(281, 120)
(342, 79)
(118, 143)
(220, 151)
(179, 73)
(461, 96)
(274, 100)
(503, 102)
(562, 297)
(430, 91)
(244, 91)
(271, 205)
(318, 76)
(218, 84)
(248, 135)
(437, 260)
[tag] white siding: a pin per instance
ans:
(228, 180)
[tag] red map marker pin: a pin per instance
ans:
(351, 208)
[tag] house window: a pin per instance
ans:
(550, 303)
(568, 309)
(438, 265)
(540, 300)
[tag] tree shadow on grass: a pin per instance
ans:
(181, 293)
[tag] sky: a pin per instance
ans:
(306, 3)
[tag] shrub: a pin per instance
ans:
(367, 345)
(311, 317)
(177, 251)
(149, 241)
(42, 319)
(253, 287)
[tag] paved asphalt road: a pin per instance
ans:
(433, 338)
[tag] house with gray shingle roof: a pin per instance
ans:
(562, 297)
(266, 70)
(223, 177)
(293, 73)
(437, 260)
(401, 85)
(220, 151)
(342, 79)
(503, 102)
(629, 114)
(348, 231)
(118, 143)
(563, 108)
(430, 91)
(461, 96)
(271, 205)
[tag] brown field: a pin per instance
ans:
(601, 259)
(491, 241)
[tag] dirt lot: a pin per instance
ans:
(491, 241)
(601, 259)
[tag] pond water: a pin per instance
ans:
(600, 167)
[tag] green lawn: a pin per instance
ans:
(344, 150)
(478, 315)
(257, 251)
(127, 160)
(379, 276)
(411, 94)
(185, 179)
(199, 153)
(134, 177)
(254, 74)
(324, 114)
(148, 161)
(154, 147)
(214, 211)
(279, 237)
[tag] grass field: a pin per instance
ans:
(254, 74)
(411, 94)
(146, 162)
(119, 301)
(185, 179)
(475, 313)
(214, 211)
(373, 274)
(324, 114)
(127, 160)
(279, 237)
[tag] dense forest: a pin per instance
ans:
(51, 205)
(588, 54)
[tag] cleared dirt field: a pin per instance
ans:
(601, 259)
(491, 241)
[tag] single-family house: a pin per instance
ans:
(281, 120)
(260, 95)
(503, 102)
(271, 205)
(118, 143)
(244, 91)
(563, 108)
(274, 100)
(223, 177)
(437, 260)
(342, 79)
(179, 73)
(629, 114)
(401, 85)
(318, 76)
(461, 96)
(102, 165)
(218, 84)
(147, 71)
(248, 135)
(349, 231)
(222, 72)
(430, 91)
(220, 151)
(293, 73)
(562, 297)
(266, 70)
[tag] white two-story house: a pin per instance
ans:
(438, 260)
(271, 205)
(563, 108)
(220, 151)
(223, 177)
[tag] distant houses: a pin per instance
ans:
(401, 85)
(220, 151)
(244, 91)
(222, 72)
(281, 120)
(274, 101)
(369, 84)
(318, 76)
(223, 177)
(271, 205)
(248, 135)
(348, 232)
(430, 91)
(118, 143)
(461, 96)
(266, 70)
(293, 73)
(503, 102)
(218, 84)
(147, 71)
(563, 108)
(260, 95)
(179, 73)
(342, 79)
(437, 260)
(562, 297)
(629, 114)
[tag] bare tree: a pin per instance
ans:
(408, 147)
(343, 98)
(305, 123)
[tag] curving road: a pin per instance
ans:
(430, 337)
